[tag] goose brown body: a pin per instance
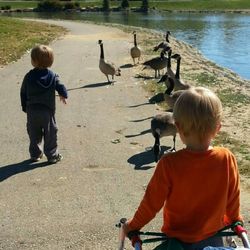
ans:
(157, 63)
(135, 51)
(162, 125)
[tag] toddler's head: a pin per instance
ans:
(42, 56)
(198, 113)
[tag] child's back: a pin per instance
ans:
(198, 187)
(38, 101)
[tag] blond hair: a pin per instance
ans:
(198, 111)
(42, 56)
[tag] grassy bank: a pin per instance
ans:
(179, 5)
(17, 36)
(233, 91)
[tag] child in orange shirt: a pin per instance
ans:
(198, 186)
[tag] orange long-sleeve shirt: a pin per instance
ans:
(199, 193)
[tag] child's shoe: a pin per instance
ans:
(55, 159)
(36, 159)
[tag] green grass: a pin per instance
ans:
(198, 5)
(232, 98)
(239, 148)
(17, 36)
(202, 4)
(204, 79)
(19, 5)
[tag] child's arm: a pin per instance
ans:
(61, 90)
(233, 204)
(23, 94)
(153, 200)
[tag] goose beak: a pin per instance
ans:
(176, 56)
(155, 48)
(163, 79)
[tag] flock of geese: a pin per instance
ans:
(161, 124)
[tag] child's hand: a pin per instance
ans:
(126, 228)
(62, 99)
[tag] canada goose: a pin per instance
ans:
(163, 45)
(162, 125)
(179, 84)
(170, 97)
(157, 63)
(135, 52)
(107, 68)
(160, 97)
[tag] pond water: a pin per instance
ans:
(221, 37)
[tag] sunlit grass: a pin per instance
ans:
(18, 36)
(163, 4)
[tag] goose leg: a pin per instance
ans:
(112, 82)
(173, 148)
(157, 147)
(108, 78)
(174, 139)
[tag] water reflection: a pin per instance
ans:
(222, 38)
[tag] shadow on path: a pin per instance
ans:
(141, 120)
(141, 133)
(92, 85)
(128, 65)
(20, 167)
(138, 105)
(145, 160)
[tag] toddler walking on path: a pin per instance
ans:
(38, 101)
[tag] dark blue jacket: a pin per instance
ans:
(39, 86)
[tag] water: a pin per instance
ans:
(221, 37)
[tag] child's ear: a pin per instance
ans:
(177, 125)
(218, 127)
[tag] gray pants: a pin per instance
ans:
(212, 241)
(41, 124)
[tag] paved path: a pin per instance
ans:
(75, 204)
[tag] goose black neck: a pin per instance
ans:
(170, 87)
(156, 147)
(167, 34)
(135, 43)
(177, 73)
(102, 51)
(169, 58)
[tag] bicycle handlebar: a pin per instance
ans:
(137, 242)
(242, 233)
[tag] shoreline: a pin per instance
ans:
(97, 9)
